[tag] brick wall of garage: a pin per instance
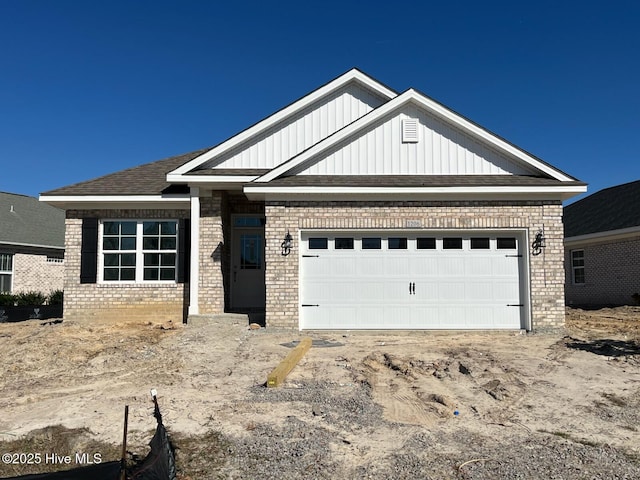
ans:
(546, 269)
(612, 273)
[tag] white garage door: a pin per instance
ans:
(402, 280)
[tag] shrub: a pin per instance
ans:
(24, 299)
(7, 300)
(56, 297)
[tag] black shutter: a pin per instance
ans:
(184, 249)
(89, 251)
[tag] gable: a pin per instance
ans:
(438, 148)
(295, 128)
(458, 146)
(298, 132)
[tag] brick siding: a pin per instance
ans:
(612, 273)
(546, 270)
(32, 272)
(117, 302)
(211, 292)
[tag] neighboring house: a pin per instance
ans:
(602, 247)
(354, 207)
(31, 245)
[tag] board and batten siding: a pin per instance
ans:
(441, 149)
(297, 133)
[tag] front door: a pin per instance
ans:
(247, 264)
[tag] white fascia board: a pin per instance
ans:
(328, 193)
(598, 237)
(116, 201)
(304, 102)
(213, 179)
(432, 107)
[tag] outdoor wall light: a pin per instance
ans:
(286, 245)
(538, 243)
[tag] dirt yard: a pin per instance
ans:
(376, 405)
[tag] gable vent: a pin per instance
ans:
(410, 130)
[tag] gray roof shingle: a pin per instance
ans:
(613, 208)
(147, 179)
(26, 221)
(416, 181)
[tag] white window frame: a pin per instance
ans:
(575, 267)
(4, 271)
(139, 252)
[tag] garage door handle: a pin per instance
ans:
(310, 305)
(412, 288)
(515, 305)
(310, 256)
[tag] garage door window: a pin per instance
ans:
(397, 243)
(452, 243)
(506, 243)
(479, 244)
(344, 244)
(318, 243)
(426, 243)
(372, 243)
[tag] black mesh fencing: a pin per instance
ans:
(159, 464)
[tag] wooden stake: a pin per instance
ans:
(123, 460)
(277, 376)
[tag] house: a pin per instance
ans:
(602, 247)
(31, 245)
(354, 207)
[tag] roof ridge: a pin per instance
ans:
(18, 194)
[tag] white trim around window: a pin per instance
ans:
(577, 267)
(6, 272)
(138, 251)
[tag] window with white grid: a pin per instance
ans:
(139, 250)
(6, 272)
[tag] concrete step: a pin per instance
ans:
(230, 318)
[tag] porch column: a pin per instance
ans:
(194, 259)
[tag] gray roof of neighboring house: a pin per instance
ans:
(26, 221)
(613, 208)
(147, 179)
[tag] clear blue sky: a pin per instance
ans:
(89, 88)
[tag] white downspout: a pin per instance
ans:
(194, 275)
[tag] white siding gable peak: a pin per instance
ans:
(498, 155)
(263, 129)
